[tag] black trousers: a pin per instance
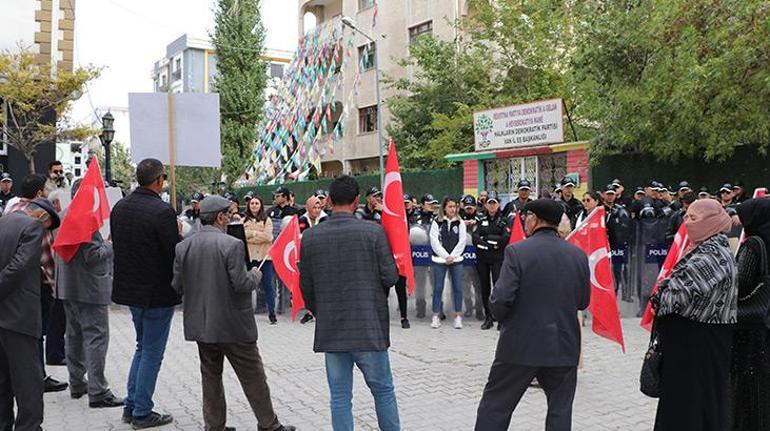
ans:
(489, 271)
(54, 337)
(20, 382)
(507, 384)
(401, 295)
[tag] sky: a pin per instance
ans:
(125, 38)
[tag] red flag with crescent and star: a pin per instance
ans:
(677, 250)
(285, 254)
(394, 218)
(591, 237)
(517, 230)
(85, 215)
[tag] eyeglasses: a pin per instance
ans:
(585, 201)
(164, 176)
(61, 171)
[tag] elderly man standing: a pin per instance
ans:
(346, 271)
(85, 286)
(144, 233)
(21, 233)
(210, 273)
(537, 308)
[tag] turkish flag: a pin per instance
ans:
(678, 249)
(285, 253)
(517, 231)
(85, 215)
(591, 237)
(394, 218)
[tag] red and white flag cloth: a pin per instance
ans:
(394, 218)
(85, 215)
(285, 254)
(591, 237)
(678, 249)
(517, 230)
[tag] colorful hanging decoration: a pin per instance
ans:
(298, 127)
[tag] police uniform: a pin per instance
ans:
(573, 205)
(490, 238)
(472, 285)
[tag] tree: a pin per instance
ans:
(677, 78)
(36, 102)
(241, 79)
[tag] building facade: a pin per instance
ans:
(190, 66)
(45, 28)
(395, 25)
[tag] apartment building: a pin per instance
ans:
(396, 26)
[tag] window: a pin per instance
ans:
(77, 172)
(78, 160)
(366, 56)
(367, 119)
(276, 70)
(419, 30)
(365, 4)
(176, 74)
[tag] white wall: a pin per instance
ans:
(17, 24)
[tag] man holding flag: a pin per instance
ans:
(540, 335)
(346, 271)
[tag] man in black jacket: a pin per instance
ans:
(574, 207)
(345, 282)
(145, 232)
(540, 335)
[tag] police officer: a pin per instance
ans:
(618, 222)
(739, 192)
(524, 189)
(490, 238)
(574, 207)
(620, 189)
(418, 235)
(682, 189)
(472, 286)
(6, 183)
(372, 211)
(677, 218)
(483, 195)
(192, 215)
(411, 209)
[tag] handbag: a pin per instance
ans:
(755, 307)
(649, 378)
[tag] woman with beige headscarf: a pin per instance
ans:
(696, 312)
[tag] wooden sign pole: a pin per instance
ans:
(171, 150)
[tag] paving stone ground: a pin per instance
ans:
(439, 377)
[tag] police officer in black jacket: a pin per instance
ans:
(619, 230)
(524, 188)
(372, 211)
(427, 212)
(411, 209)
(574, 207)
(490, 238)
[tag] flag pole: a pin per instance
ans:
(588, 217)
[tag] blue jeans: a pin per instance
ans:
(152, 326)
(267, 285)
(456, 274)
(376, 369)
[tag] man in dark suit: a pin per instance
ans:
(21, 233)
(210, 271)
(346, 270)
(540, 334)
(145, 232)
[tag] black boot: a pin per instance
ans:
(488, 323)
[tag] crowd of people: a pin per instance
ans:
(706, 310)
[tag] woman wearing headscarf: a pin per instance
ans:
(750, 372)
(313, 215)
(696, 311)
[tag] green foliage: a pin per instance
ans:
(33, 93)
(192, 179)
(668, 78)
(241, 79)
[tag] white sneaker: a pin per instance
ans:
(458, 322)
(435, 323)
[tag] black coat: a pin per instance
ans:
(144, 234)
(543, 283)
(491, 236)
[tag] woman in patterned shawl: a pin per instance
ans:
(696, 311)
(750, 373)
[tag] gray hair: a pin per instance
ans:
(208, 219)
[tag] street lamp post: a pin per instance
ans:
(108, 134)
(350, 23)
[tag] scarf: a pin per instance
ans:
(755, 217)
(706, 218)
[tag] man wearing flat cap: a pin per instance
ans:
(210, 275)
(540, 334)
(21, 233)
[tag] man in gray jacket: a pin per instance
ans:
(21, 380)
(211, 276)
(537, 308)
(346, 270)
(85, 285)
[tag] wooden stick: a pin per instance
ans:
(172, 149)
